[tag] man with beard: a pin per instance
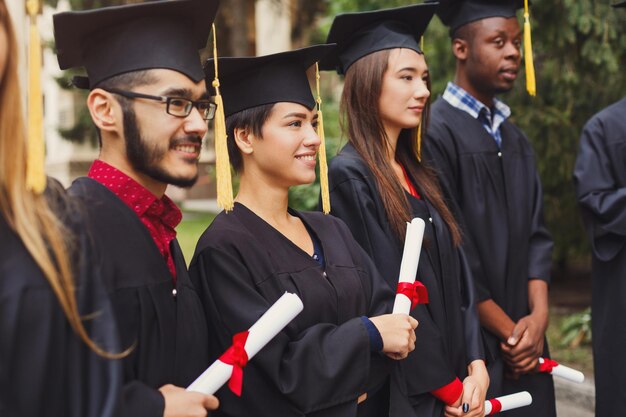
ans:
(600, 180)
(488, 166)
(150, 104)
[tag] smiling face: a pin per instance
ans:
(493, 56)
(285, 154)
(160, 146)
(404, 90)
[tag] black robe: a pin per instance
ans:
(165, 325)
(498, 192)
(600, 179)
(45, 368)
(448, 335)
(321, 362)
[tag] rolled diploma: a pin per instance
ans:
(566, 372)
(509, 402)
(269, 325)
(410, 260)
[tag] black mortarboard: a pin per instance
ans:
(622, 4)
(457, 13)
(363, 33)
(115, 40)
(247, 82)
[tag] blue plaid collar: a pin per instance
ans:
(462, 100)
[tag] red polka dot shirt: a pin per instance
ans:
(159, 215)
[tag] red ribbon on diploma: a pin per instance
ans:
(236, 356)
(496, 406)
(547, 365)
(416, 292)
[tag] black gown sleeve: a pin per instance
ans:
(352, 202)
(540, 243)
(601, 197)
(319, 367)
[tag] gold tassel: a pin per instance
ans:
(322, 150)
(222, 161)
(35, 171)
(531, 85)
(419, 127)
(419, 141)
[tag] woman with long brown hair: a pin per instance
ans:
(378, 183)
(57, 337)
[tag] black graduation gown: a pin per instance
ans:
(498, 192)
(448, 335)
(45, 368)
(166, 325)
(600, 179)
(321, 362)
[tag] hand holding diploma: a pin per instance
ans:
(247, 344)
(508, 402)
(398, 334)
(550, 366)
(410, 292)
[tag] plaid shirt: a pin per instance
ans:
(462, 100)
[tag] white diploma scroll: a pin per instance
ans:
(410, 260)
(566, 372)
(508, 402)
(265, 329)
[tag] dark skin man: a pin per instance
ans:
(488, 54)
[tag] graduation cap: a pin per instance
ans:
(247, 82)
(115, 40)
(458, 13)
(363, 33)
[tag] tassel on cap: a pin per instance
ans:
(419, 127)
(35, 172)
(322, 150)
(531, 85)
(222, 161)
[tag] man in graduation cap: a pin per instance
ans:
(150, 104)
(600, 180)
(489, 166)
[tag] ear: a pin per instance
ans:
(104, 110)
(460, 49)
(243, 139)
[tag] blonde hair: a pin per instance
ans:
(46, 238)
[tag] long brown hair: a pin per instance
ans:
(45, 237)
(361, 120)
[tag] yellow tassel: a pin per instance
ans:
(35, 172)
(419, 127)
(531, 86)
(222, 161)
(419, 141)
(322, 150)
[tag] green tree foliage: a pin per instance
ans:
(579, 46)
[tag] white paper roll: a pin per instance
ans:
(509, 402)
(410, 260)
(269, 325)
(566, 372)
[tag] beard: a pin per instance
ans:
(145, 158)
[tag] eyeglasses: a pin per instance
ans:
(175, 106)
